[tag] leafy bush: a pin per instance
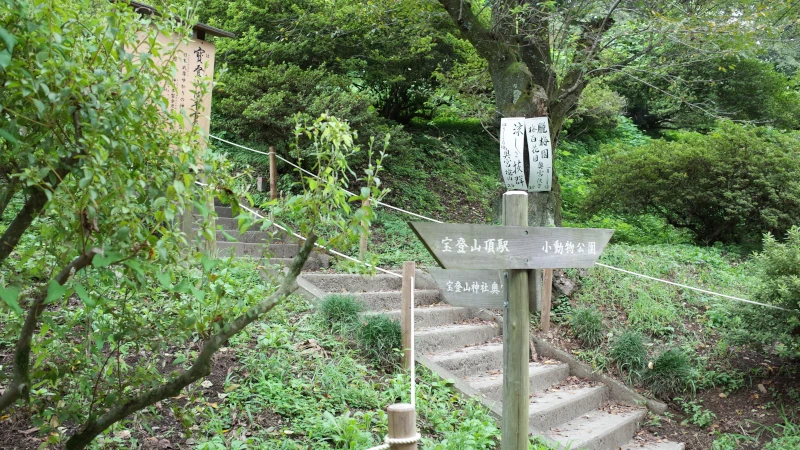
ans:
(730, 185)
(380, 337)
(340, 310)
(587, 326)
(671, 373)
(695, 413)
(780, 270)
(628, 353)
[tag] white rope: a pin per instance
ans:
(396, 441)
(413, 363)
(315, 176)
(693, 288)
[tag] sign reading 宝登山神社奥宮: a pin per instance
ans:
(471, 288)
(466, 246)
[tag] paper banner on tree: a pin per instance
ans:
(540, 154)
(512, 143)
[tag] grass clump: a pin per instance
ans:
(671, 373)
(340, 311)
(380, 338)
(587, 326)
(628, 353)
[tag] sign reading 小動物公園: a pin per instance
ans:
(467, 246)
(540, 154)
(512, 143)
(471, 288)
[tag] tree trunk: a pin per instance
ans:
(517, 95)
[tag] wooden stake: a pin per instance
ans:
(547, 296)
(516, 335)
(402, 425)
(405, 313)
(273, 175)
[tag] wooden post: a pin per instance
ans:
(362, 243)
(405, 313)
(273, 175)
(547, 294)
(402, 425)
(516, 335)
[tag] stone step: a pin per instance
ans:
(259, 250)
(223, 211)
(469, 361)
(310, 264)
(255, 237)
(634, 444)
(540, 376)
(451, 337)
(388, 301)
(433, 315)
(564, 403)
(338, 283)
(606, 428)
(228, 224)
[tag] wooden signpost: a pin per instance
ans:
(487, 266)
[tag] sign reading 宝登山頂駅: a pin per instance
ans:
(512, 143)
(471, 288)
(540, 154)
(466, 246)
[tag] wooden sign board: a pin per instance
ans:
(194, 62)
(512, 143)
(540, 154)
(471, 288)
(467, 246)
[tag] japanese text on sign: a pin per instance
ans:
(474, 287)
(512, 142)
(540, 153)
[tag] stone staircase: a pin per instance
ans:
(465, 345)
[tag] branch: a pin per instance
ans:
(471, 28)
(202, 365)
(20, 384)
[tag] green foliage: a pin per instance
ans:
(654, 316)
(380, 338)
(731, 185)
(780, 270)
(695, 413)
(671, 373)
(730, 441)
(340, 310)
(629, 354)
(586, 324)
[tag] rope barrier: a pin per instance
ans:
(692, 288)
(386, 205)
(396, 441)
(597, 264)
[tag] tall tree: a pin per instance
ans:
(542, 55)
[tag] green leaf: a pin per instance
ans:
(5, 59)
(207, 263)
(106, 259)
(165, 279)
(9, 295)
(8, 137)
(83, 295)
(134, 265)
(55, 291)
(8, 38)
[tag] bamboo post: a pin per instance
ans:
(516, 335)
(405, 313)
(547, 297)
(362, 243)
(402, 425)
(273, 175)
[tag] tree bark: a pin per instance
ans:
(20, 384)
(201, 366)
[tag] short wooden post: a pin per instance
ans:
(402, 425)
(273, 175)
(405, 313)
(516, 335)
(547, 296)
(362, 243)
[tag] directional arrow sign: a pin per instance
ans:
(466, 246)
(471, 288)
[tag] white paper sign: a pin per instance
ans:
(512, 142)
(540, 154)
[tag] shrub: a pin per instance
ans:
(730, 185)
(379, 337)
(671, 373)
(340, 310)
(587, 326)
(628, 353)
